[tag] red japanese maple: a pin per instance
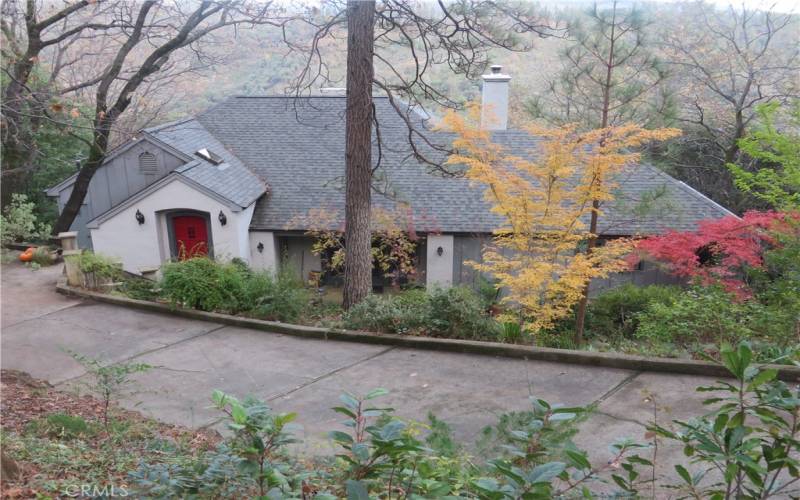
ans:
(720, 250)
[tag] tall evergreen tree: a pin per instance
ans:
(358, 153)
(610, 77)
(610, 74)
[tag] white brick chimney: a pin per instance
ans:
(494, 99)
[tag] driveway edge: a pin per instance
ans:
(604, 359)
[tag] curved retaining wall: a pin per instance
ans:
(604, 359)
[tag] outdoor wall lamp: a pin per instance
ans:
(139, 217)
(222, 219)
(439, 251)
(260, 247)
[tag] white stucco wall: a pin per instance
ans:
(147, 245)
(439, 270)
(267, 259)
(241, 220)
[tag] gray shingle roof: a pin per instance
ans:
(232, 179)
(297, 147)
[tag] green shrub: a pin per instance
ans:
(561, 336)
(378, 313)
(511, 332)
(487, 291)
(456, 312)
(700, 315)
(19, 223)
(201, 283)
(98, 265)
(615, 313)
(767, 352)
(61, 426)
(282, 297)
(777, 285)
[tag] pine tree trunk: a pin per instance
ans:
(580, 314)
(358, 155)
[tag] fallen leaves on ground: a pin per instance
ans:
(24, 399)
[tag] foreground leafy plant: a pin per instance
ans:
(259, 434)
(377, 445)
(383, 455)
(747, 447)
(109, 381)
(529, 471)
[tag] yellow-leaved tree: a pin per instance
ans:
(544, 255)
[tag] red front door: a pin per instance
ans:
(191, 236)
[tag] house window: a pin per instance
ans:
(148, 164)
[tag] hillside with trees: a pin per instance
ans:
(695, 66)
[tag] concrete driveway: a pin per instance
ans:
(307, 376)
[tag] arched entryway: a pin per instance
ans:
(189, 234)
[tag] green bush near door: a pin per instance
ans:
(201, 283)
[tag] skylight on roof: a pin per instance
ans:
(209, 156)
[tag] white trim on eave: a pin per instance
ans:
(152, 188)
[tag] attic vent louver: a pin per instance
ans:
(148, 164)
(209, 156)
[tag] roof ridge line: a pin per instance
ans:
(158, 128)
(687, 188)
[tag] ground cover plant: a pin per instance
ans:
(744, 446)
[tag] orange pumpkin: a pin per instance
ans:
(27, 255)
